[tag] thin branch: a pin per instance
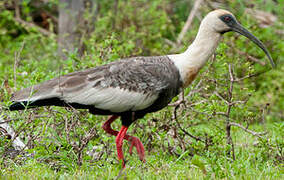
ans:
(17, 143)
(229, 102)
(180, 101)
(258, 134)
(238, 102)
(187, 133)
(199, 102)
(16, 62)
(27, 24)
(249, 76)
(196, 89)
(189, 20)
(220, 113)
(32, 25)
(249, 57)
(221, 97)
(169, 42)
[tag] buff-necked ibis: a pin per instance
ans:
(132, 87)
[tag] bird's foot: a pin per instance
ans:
(139, 147)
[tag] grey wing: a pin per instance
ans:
(131, 84)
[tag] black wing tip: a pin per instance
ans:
(21, 105)
(33, 104)
(46, 102)
(18, 106)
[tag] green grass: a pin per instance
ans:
(249, 164)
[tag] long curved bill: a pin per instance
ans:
(240, 29)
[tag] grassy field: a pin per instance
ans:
(189, 141)
(252, 162)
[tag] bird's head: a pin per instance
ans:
(222, 21)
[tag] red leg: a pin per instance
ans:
(119, 142)
(139, 146)
(133, 140)
(107, 126)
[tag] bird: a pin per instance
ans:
(132, 87)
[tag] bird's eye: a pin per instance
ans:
(227, 18)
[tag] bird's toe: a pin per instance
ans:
(139, 148)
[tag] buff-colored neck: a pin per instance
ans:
(193, 59)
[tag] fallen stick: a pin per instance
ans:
(8, 131)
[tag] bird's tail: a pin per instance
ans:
(21, 105)
(43, 94)
(18, 106)
(54, 101)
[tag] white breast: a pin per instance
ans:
(112, 99)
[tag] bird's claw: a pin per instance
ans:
(139, 147)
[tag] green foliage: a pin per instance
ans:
(138, 28)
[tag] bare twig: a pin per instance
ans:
(27, 24)
(180, 101)
(228, 125)
(196, 89)
(16, 62)
(189, 20)
(32, 25)
(250, 75)
(17, 143)
(83, 141)
(196, 103)
(169, 42)
(187, 133)
(249, 57)
(258, 134)
(221, 97)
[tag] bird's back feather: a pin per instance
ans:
(130, 84)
